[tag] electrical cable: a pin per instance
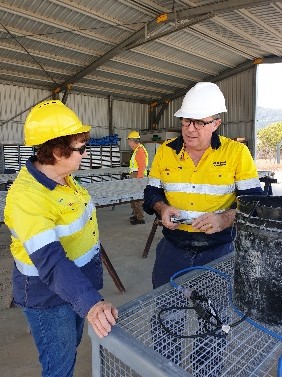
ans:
(279, 369)
(22, 46)
(75, 30)
(207, 315)
(239, 312)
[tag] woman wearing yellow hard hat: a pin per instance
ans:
(55, 240)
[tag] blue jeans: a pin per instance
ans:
(57, 332)
(171, 259)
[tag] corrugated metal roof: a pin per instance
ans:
(128, 49)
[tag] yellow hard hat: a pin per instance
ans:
(51, 119)
(133, 135)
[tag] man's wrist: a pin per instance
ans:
(228, 217)
(158, 207)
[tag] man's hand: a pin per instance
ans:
(166, 213)
(210, 223)
(102, 316)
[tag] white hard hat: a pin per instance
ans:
(201, 101)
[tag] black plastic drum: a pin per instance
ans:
(258, 258)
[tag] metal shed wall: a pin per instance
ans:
(240, 94)
(129, 116)
(92, 110)
(239, 91)
(14, 100)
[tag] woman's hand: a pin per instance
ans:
(102, 316)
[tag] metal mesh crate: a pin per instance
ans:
(139, 345)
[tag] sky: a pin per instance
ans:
(269, 80)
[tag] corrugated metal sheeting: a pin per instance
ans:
(92, 110)
(240, 94)
(15, 100)
(129, 116)
(239, 91)
(133, 54)
(140, 51)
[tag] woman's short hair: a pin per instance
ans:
(62, 145)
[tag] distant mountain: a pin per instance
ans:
(265, 116)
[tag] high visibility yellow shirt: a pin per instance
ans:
(224, 170)
(135, 165)
(55, 242)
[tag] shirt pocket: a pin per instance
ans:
(173, 175)
(71, 209)
(71, 216)
(220, 183)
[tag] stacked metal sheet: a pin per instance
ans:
(117, 191)
(4, 178)
(105, 193)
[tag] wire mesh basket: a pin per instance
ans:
(139, 345)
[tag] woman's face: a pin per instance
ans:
(55, 150)
(72, 163)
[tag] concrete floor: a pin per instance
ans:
(124, 245)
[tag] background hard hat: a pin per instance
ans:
(51, 119)
(133, 135)
(201, 101)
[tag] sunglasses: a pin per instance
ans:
(81, 149)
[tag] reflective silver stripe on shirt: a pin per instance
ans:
(44, 238)
(40, 240)
(78, 224)
(13, 233)
(196, 188)
(192, 215)
(155, 182)
(26, 269)
(86, 258)
(248, 184)
(31, 270)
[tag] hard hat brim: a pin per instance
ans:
(39, 141)
(84, 128)
(194, 114)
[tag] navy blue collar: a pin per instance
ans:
(38, 175)
(177, 143)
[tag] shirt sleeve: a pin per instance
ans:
(28, 216)
(246, 177)
(154, 191)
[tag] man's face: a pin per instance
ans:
(197, 133)
(131, 143)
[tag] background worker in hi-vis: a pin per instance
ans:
(138, 169)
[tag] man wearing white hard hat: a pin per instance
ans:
(193, 184)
